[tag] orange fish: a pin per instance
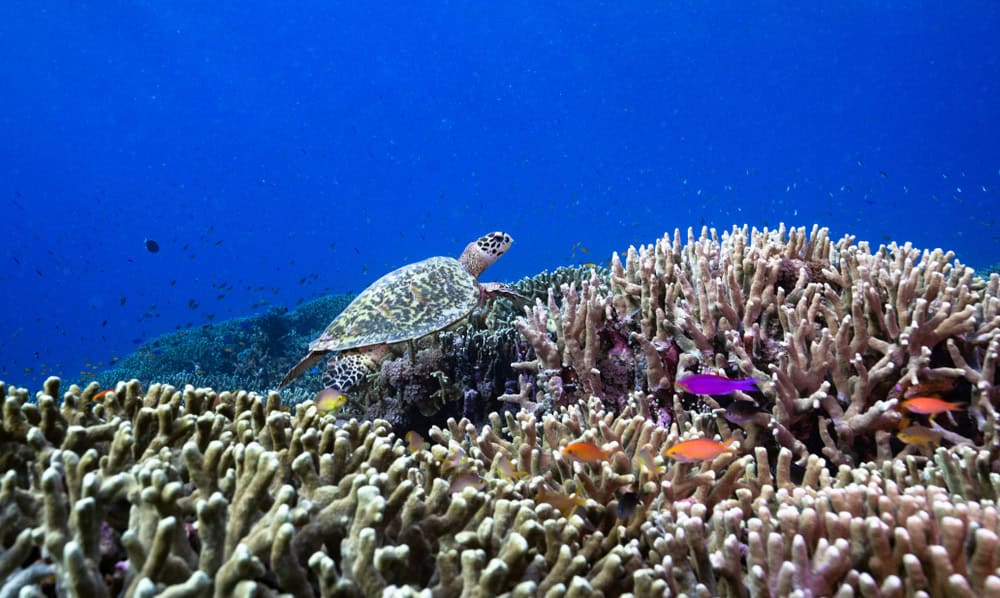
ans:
(100, 396)
(698, 449)
(588, 452)
(567, 504)
(929, 405)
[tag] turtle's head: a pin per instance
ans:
(485, 250)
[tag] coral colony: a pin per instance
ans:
(756, 413)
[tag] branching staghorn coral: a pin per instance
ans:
(834, 334)
(199, 493)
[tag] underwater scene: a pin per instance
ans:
(524, 299)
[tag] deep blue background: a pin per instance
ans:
(276, 142)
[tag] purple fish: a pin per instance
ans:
(710, 384)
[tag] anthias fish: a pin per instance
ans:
(99, 397)
(585, 451)
(710, 384)
(929, 405)
(698, 449)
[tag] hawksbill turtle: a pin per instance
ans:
(402, 306)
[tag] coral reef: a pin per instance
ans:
(835, 334)
(829, 479)
(195, 493)
(241, 353)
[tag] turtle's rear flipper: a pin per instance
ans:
(307, 362)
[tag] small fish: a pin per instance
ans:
(454, 461)
(151, 246)
(99, 397)
(415, 441)
(698, 449)
(627, 505)
(588, 452)
(645, 461)
(740, 411)
(506, 469)
(920, 436)
(464, 481)
(329, 400)
(929, 405)
(567, 504)
(710, 384)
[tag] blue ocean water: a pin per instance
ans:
(277, 152)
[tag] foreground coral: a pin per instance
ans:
(194, 493)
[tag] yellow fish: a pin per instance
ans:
(506, 469)
(464, 481)
(454, 460)
(567, 504)
(329, 400)
(646, 462)
(415, 441)
(919, 435)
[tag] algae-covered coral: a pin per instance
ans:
(193, 492)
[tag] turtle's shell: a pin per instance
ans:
(405, 304)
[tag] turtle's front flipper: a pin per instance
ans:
(307, 362)
(492, 290)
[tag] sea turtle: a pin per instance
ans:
(405, 304)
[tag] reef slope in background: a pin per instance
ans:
(177, 492)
